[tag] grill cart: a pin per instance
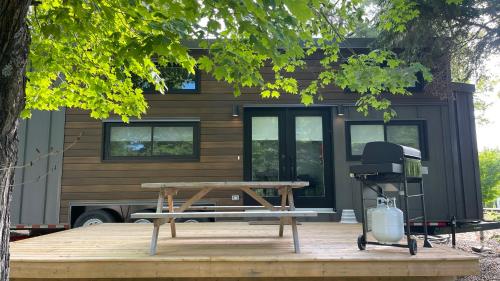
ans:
(384, 166)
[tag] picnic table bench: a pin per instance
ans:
(169, 190)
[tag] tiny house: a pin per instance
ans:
(199, 131)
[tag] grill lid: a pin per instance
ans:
(387, 152)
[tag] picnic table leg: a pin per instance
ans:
(295, 233)
(193, 199)
(258, 198)
(170, 200)
(156, 227)
(154, 238)
(284, 194)
(159, 204)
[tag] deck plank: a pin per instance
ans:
(222, 250)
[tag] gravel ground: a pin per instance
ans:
(489, 261)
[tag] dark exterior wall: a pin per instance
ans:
(446, 194)
(36, 190)
(465, 154)
(87, 177)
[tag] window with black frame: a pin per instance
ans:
(151, 140)
(409, 133)
(177, 79)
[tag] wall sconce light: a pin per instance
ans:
(236, 110)
(340, 110)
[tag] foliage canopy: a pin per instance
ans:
(466, 32)
(489, 166)
(84, 54)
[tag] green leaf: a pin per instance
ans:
(26, 113)
(300, 9)
(205, 63)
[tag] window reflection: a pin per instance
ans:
(265, 151)
(309, 154)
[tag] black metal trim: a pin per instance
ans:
(106, 157)
(286, 133)
(154, 119)
(422, 135)
(197, 90)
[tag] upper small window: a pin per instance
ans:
(408, 133)
(177, 80)
(150, 140)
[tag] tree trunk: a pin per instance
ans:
(14, 49)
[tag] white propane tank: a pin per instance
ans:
(369, 212)
(387, 221)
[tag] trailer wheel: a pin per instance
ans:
(94, 217)
(142, 221)
(361, 242)
(412, 245)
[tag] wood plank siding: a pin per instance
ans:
(87, 177)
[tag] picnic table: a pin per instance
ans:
(170, 189)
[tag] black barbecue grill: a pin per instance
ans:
(385, 162)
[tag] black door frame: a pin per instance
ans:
(287, 161)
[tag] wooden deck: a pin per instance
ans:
(227, 251)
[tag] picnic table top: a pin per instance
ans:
(227, 184)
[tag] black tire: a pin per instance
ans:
(193, 220)
(142, 221)
(94, 217)
(412, 245)
(361, 243)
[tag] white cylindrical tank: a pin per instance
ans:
(369, 212)
(387, 221)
